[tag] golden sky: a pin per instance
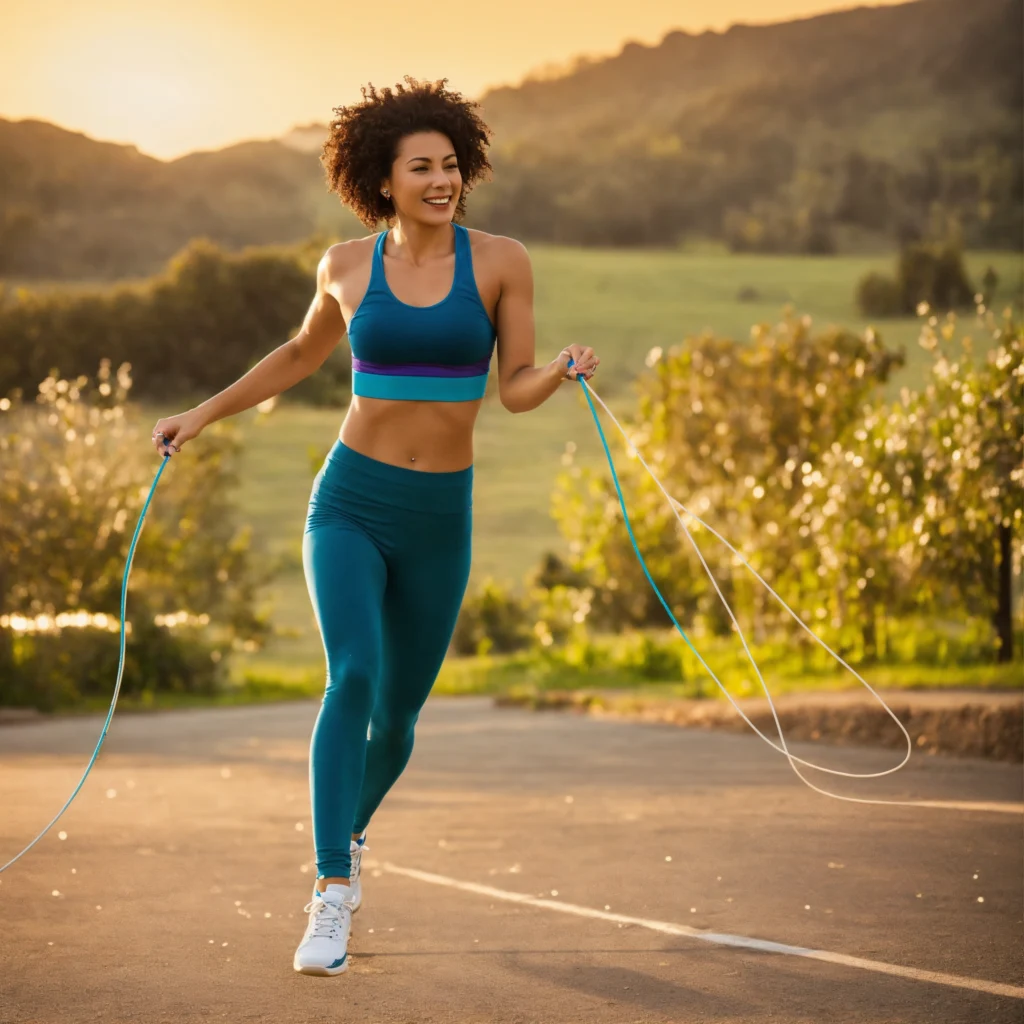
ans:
(173, 77)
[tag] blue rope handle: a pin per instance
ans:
(120, 666)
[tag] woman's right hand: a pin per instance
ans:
(171, 432)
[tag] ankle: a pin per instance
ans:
(322, 883)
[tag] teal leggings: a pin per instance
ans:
(386, 552)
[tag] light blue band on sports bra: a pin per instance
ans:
(422, 389)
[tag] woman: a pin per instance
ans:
(386, 548)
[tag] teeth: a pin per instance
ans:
(438, 202)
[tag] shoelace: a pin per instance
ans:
(326, 919)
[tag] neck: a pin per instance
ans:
(420, 243)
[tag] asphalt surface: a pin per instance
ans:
(187, 862)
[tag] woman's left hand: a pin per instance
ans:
(583, 359)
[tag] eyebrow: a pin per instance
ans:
(427, 158)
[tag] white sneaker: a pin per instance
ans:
(324, 948)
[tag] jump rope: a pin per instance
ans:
(676, 507)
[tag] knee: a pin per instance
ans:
(350, 679)
(396, 731)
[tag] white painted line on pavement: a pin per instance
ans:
(994, 988)
(967, 805)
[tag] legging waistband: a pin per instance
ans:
(345, 469)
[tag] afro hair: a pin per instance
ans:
(364, 138)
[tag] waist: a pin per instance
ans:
(346, 471)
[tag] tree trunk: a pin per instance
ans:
(1004, 610)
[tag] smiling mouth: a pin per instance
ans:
(438, 201)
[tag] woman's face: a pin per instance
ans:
(425, 169)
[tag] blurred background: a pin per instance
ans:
(791, 229)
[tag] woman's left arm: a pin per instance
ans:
(522, 386)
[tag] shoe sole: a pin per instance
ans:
(322, 972)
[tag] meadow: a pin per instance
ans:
(623, 303)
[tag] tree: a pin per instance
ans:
(922, 503)
(737, 433)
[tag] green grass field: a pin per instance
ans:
(621, 302)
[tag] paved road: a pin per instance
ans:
(187, 863)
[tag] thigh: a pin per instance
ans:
(346, 578)
(421, 605)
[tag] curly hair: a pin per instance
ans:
(364, 137)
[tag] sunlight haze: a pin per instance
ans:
(202, 74)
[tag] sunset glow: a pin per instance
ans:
(202, 74)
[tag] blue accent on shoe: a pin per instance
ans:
(337, 963)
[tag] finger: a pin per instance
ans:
(164, 443)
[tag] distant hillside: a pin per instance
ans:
(884, 119)
(74, 207)
(876, 123)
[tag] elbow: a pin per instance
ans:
(511, 404)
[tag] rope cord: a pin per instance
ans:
(675, 505)
(120, 666)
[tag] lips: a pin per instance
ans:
(435, 201)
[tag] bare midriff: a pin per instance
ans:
(436, 437)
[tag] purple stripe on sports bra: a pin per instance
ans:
(476, 369)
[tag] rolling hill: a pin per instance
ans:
(871, 123)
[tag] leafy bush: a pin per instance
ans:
(75, 469)
(933, 273)
(879, 295)
(58, 669)
(196, 327)
(728, 426)
(492, 621)
(928, 273)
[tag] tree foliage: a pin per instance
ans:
(75, 469)
(857, 512)
(779, 137)
(932, 273)
(196, 327)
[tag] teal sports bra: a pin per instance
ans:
(438, 353)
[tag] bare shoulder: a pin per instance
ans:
(499, 247)
(343, 256)
(503, 258)
(344, 271)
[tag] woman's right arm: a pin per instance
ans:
(296, 359)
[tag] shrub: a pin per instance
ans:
(75, 469)
(933, 273)
(58, 669)
(491, 621)
(194, 328)
(879, 295)
(927, 272)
